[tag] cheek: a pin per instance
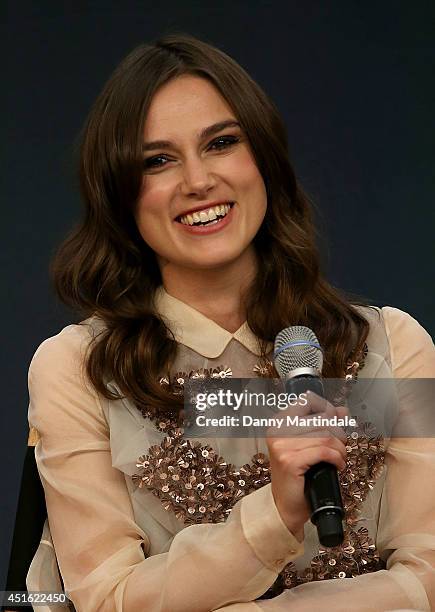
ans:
(249, 179)
(147, 222)
(151, 205)
(255, 190)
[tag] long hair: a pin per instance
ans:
(105, 269)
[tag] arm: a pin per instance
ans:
(99, 546)
(406, 523)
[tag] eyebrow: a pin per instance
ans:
(206, 132)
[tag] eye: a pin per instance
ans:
(218, 144)
(153, 162)
(224, 141)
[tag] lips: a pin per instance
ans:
(202, 207)
(204, 229)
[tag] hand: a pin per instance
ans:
(292, 455)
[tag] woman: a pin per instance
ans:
(196, 250)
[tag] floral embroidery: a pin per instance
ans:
(357, 554)
(199, 486)
(265, 369)
(194, 482)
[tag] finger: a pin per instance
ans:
(317, 403)
(317, 438)
(325, 431)
(342, 411)
(320, 404)
(305, 458)
(297, 406)
(307, 423)
(309, 403)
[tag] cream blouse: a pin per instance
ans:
(119, 547)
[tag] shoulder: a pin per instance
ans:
(60, 392)
(411, 348)
(64, 351)
(396, 319)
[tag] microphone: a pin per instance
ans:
(298, 359)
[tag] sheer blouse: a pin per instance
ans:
(121, 547)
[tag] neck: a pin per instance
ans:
(217, 293)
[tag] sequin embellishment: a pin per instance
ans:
(199, 486)
(194, 482)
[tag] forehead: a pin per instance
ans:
(184, 102)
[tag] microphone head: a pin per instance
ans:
(297, 347)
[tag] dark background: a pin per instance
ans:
(354, 82)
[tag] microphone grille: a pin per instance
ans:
(297, 347)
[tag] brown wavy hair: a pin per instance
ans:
(104, 268)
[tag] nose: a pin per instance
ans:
(197, 178)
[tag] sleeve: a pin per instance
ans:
(406, 528)
(100, 547)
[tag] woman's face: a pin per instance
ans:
(203, 173)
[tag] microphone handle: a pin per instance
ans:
(322, 488)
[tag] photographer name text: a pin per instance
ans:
(289, 421)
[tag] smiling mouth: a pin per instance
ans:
(209, 216)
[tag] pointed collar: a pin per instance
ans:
(196, 331)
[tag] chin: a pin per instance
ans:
(211, 261)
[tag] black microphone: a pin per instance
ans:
(298, 359)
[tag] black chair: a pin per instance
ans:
(29, 522)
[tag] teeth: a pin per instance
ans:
(211, 214)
